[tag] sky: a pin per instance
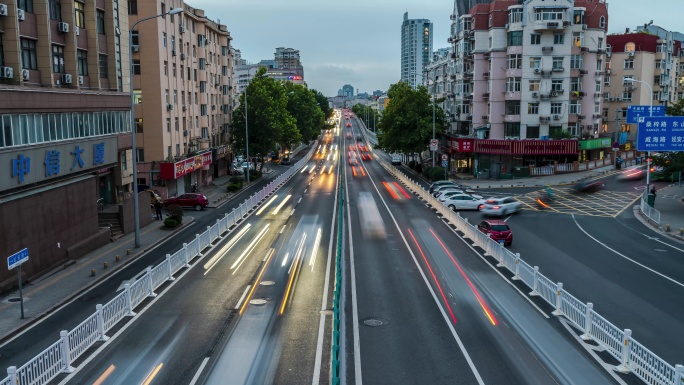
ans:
(358, 42)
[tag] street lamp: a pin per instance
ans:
(434, 92)
(136, 214)
(650, 114)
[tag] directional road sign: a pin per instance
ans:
(664, 133)
(636, 114)
(17, 259)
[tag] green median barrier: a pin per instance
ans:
(650, 199)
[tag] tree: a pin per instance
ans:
(267, 116)
(676, 109)
(323, 104)
(308, 116)
(406, 124)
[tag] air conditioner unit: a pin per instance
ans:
(3, 9)
(185, 108)
(63, 27)
(535, 94)
(66, 78)
(6, 72)
(77, 31)
(556, 117)
(135, 48)
(507, 25)
(630, 53)
(80, 80)
(169, 107)
(25, 75)
(181, 29)
(537, 70)
(21, 15)
(554, 93)
(173, 52)
(584, 27)
(182, 56)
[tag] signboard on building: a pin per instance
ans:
(456, 145)
(51, 160)
(636, 114)
(186, 166)
(526, 147)
(219, 153)
(665, 133)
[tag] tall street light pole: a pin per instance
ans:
(134, 155)
(247, 134)
(434, 91)
(650, 114)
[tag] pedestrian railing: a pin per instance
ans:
(631, 355)
(649, 212)
(57, 358)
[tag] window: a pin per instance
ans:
(512, 107)
(656, 95)
(514, 38)
(557, 85)
(202, 63)
(163, 12)
(139, 126)
(555, 131)
(606, 80)
(558, 38)
(599, 45)
(602, 22)
(578, 39)
(137, 96)
(168, 129)
(532, 132)
(629, 63)
(545, 14)
(166, 68)
(203, 86)
(82, 62)
(176, 124)
(512, 129)
(533, 108)
(627, 96)
(557, 62)
(124, 161)
(627, 80)
(173, 42)
(2, 52)
(136, 67)
(205, 133)
(515, 15)
(578, 17)
(203, 110)
(26, 5)
(103, 66)
(80, 14)
(173, 69)
(535, 39)
(575, 85)
(512, 84)
(164, 39)
(535, 62)
(182, 69)
(575, 107)
(576, 62)
(514, 62)
(55, 7)
(135, 38)
(556, 108)
(132, 7)
(57, 59)
(175, 97)
(534, 85)
(598, 86)
(168, 101)
(100, 22)
(28, 54)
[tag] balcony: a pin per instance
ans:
(544, 96)
(544, 119)
(468, 96)
(547, 49)
(581, 117)
(512, 118)
(583, 72)
(468, 75)
(556, 93)
(558, 69)
(549, 25)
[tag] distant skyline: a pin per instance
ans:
(358, 42)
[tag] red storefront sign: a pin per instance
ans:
(526, 147)
(456, 145)
(178, 169)
(493, 146)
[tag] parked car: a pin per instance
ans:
(464, 202)
(439, 183)
(285, 160)
(437, 191)
(588, 186)
(497, 230)
(194, 200)
(501, 206)
(248, 164)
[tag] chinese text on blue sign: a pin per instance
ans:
(664, 133)
(17, 259)
(636, 114)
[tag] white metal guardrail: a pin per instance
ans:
(57, 358)
(650, 212)
(632, 356)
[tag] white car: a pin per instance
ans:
(446, 194)
(464, 202)
(246, 165)
(501, 206)
(447, 190)
(396, 159)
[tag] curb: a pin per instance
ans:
(646, 222)
(90, 285)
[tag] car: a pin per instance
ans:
(464, 202)
(449, 193)
(285, 160)
(439, 183)
(194, 200)
(446, 187)
(349, 135)
(497, 230)
(353, 161)
(348, 124)
(247, 164)
(588, 186)
(633, 173)
(396, 159)
(501, 206)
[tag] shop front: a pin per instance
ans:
(504, 159)
(594, 149)
(220, 161)
(460, 151)
(186, 173)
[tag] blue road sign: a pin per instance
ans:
(17, 259)
(636, 114)
(665, 133)
(445, 163)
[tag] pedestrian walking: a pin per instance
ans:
(653, 191)
(158, 209)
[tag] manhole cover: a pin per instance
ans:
(13, 299)
(258, 301)
(660, 250)
(372, 322)
(267, 283)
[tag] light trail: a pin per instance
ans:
(280, 206)
(222, 253)
(256, 283)
(261, 210)
(236, 265)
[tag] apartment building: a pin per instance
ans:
(285, 66)
(64, 126)
(651, 55)
(182, 79)
(438, 78)
(416, 48)
(528, 70)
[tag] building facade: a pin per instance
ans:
(651, 55)
(416, 49)
(182, 79)
(64, 127)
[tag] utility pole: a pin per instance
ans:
(617, 125)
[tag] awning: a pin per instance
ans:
(482, 128)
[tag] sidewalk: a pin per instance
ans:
(670, 202)
(538, 181)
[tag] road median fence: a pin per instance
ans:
(58, 357)
(631, 356)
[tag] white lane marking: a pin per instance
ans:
(300, 199)
(280, 206)
(199, 371)
(268, 252)
(236, 265)
(304, 169)
(324, 301)
(626, 257)
(282, 229)
(654, 239)
(508, 217)
(291, 213)
(471, 364)
(497, 270)
(261, 210)
(314, 251)
(224, 251)
(242, 298)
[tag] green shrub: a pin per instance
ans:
(426, 171)
(175, 212)
(236, 179)
(437, 173)
(412, 164)
(254, 174)
(170, 222)
(232, 187)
